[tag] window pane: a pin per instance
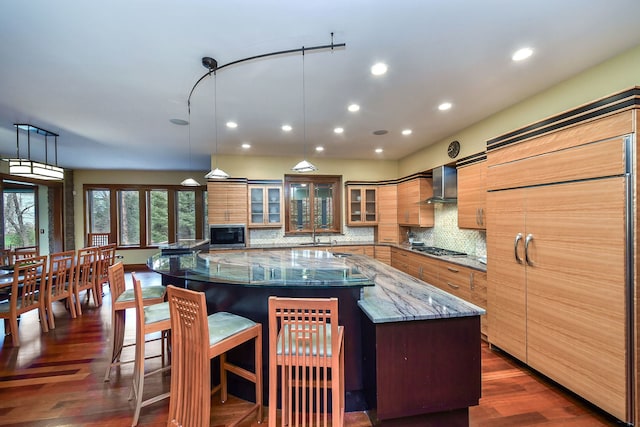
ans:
(19, 218)
(129, 217)
(158, 222)
(299, 212)
(186, 215)
(323, 206)
(99, 211)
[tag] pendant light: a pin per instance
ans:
(216, 173)
(29, 168)
(304, 165)
(190, 182)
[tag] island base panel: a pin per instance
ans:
(457, 418)
(421, 367)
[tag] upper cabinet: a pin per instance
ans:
(388, 230)
(362, 205)
(227, 202)
(265, 206)
(413, 210)
(472, 192)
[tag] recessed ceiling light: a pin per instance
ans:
(286, 128)
(379, 150)
(445, 106)
(338, 130)
(180, 122)
(246, 145)
(407, 132)
(380, 132)
(319, 148)
(353, 108)
(522, 54)
(379, 69)
(232, 125)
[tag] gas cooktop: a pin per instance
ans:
(432, 250)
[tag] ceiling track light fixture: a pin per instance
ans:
(33, 169)
(212, 67)
(190, 182)
(304, 165)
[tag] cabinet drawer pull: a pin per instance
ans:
(526, 249)
(451, 285)
(453, 270)
(515, 247)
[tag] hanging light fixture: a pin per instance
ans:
(304, 165)
(190, 182)
(32, 169)
(215, 173)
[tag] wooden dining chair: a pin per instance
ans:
(196, 339)
(6, 257)
(121, 300)
(85, 277)
(24, 252)
(98, 239)
(106, 258)
(26, 295)
(60, 283)
(306, 346)
(149, 320)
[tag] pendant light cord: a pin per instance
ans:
(304, 112)
(215, 112)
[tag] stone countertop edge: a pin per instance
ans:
(399, 297)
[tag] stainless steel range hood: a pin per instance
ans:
(445, 185)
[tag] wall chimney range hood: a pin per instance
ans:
(445, 185)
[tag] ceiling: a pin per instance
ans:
(108, 76)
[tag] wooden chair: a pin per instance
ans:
(150, 319)
(85, 279)
(106, 258)
(6, 257)
(121, 300)
(307, 344)
(98, 239)
(60, 283)
(24, 252)
(26, 295)
(196, 339)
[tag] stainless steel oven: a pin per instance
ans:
(227, 235)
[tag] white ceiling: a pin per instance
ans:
(107, 76)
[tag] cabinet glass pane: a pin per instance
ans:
(299, 209)
(370, 205)
(323, 206)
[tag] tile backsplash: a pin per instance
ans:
(444, 234)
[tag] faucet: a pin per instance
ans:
(313, 234)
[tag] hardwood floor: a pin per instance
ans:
(56, 379)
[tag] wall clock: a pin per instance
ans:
(454, 149)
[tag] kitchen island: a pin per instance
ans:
(412, 351)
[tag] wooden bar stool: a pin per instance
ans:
(196, 339)
(121, 300)
(307, 346)
(150, 319)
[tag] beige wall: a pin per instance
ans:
(614, 75)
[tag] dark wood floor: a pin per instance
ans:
(56, 379)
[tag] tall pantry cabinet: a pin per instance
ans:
(559, 245)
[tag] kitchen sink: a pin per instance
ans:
(314, 244)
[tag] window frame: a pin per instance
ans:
(312, 181)
(144, 211)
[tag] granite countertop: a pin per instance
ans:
(399, 297)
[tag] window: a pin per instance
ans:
(312, 204)
(20, 222)
(142, 216)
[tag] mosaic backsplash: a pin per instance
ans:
(444, 234)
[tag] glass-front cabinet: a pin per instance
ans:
(362, 205)
(265, 206)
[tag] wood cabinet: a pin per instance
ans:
(388, 230)
(265, 206)
(472, 191)
(227, 202)
(412, 207)
(356, 249)
(362, 205)
(383, 254)
(556, 252)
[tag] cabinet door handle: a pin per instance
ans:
(451, 285)
(482, 216)
(526, 248)
(477, 216)
(515, 248)
(420, 272)
(454, 270)
(472, 285)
